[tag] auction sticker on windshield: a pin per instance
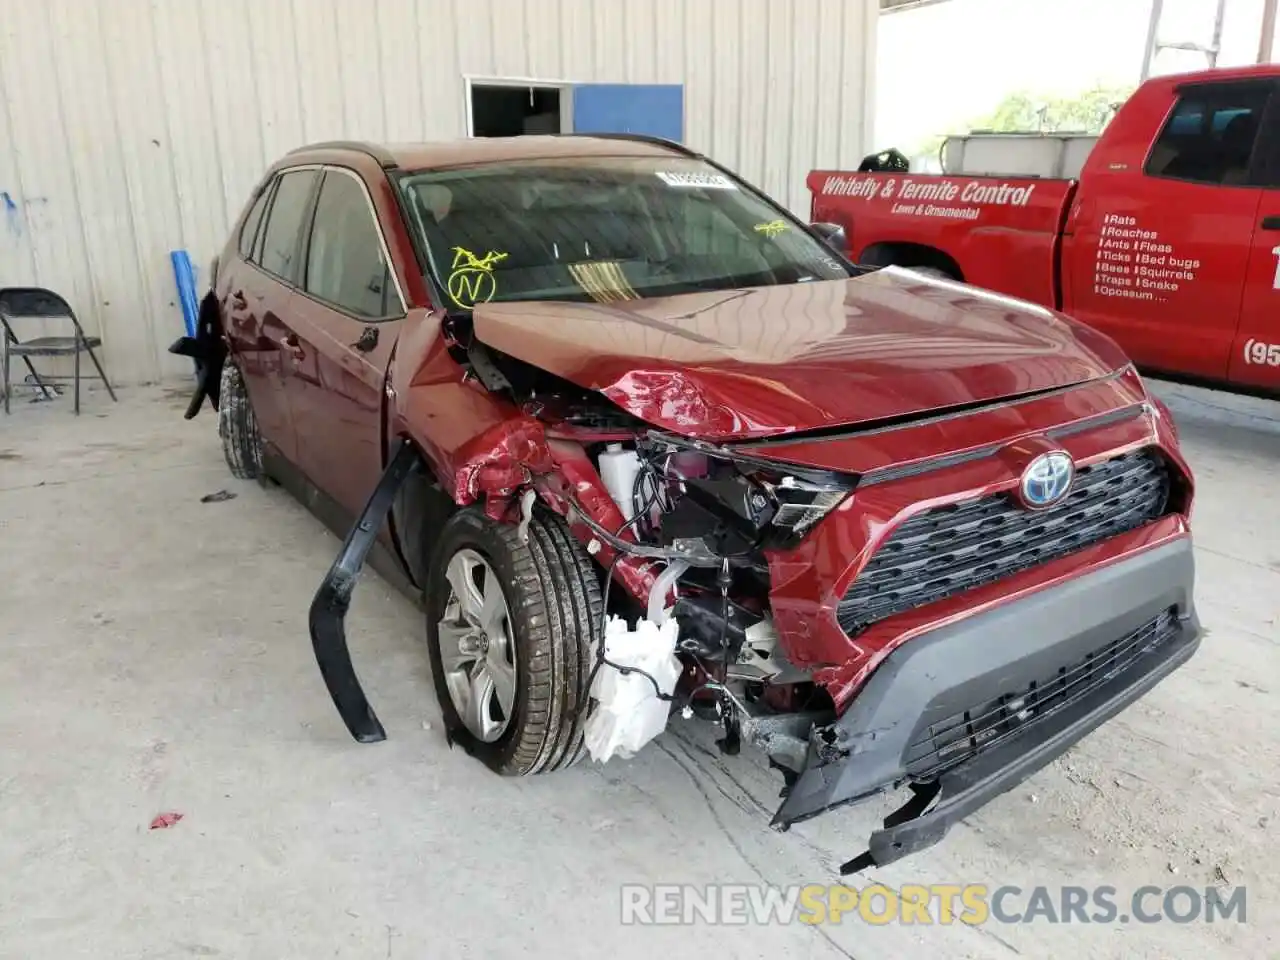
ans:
(714, 181)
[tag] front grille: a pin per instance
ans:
(962, 736)
(944, 551)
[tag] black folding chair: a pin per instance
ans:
(37, 303)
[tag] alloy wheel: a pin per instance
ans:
(477, 651)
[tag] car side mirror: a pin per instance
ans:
(833, 235)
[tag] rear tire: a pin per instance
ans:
(237, 426)
(554, 622)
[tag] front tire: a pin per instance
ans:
(237, 426)
(497, 610)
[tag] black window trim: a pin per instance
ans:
(305, 248)
(263, 193)
(256, 250)
(1264, 145)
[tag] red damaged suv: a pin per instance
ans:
(914, 535)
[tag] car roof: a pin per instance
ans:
(1222, 74)
(479, 150)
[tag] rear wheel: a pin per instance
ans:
(512, 630)
(237, 426)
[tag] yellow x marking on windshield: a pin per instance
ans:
(464, 259)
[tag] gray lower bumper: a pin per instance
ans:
(1016, 646)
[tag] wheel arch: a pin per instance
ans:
(421, 508)
(906, 254)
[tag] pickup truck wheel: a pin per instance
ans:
(512, 630)
(237, 426)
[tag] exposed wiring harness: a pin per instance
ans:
(601, 660)
(655, 496)
(652, 478)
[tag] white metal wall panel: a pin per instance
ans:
(130, 128)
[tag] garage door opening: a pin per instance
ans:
(511, 111)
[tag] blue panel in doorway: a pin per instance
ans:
(655, 110)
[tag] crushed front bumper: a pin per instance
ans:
(969, 711)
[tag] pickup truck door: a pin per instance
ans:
(344, 322)
(1255, 354)
(1160, 257)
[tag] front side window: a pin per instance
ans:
(603, 228)
(1210, 135)
(280, 237)
(345, 266)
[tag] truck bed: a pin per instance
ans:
(1016, 223)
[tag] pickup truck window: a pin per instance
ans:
(604, 229)
(1210, 135)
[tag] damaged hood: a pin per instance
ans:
(765, 361)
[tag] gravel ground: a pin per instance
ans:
(156, 659)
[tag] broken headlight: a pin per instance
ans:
(801, 504)
(739, 506)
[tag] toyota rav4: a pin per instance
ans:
(912, 535)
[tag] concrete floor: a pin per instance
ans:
(155, 658)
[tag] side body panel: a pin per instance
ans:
(336, 394)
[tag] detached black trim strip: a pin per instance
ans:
(981, 453)
(1101, 420)
(333, 599)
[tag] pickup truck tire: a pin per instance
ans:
(552, 619)
(237, 426)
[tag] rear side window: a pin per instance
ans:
(345, 266)
(1210, 136)
(249, 232)
(280, 238)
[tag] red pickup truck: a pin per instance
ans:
(1169, 241)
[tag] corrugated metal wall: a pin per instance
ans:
(130, 128)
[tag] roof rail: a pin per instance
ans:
(641, 138)
(379, 153)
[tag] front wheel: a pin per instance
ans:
(512, 630)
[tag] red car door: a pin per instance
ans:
(258, 295)
(345, 317)
(1255, 355)
(1159, 257)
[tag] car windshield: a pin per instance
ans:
(604, 229)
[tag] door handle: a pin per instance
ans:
(1271, 223)
(292, 345)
